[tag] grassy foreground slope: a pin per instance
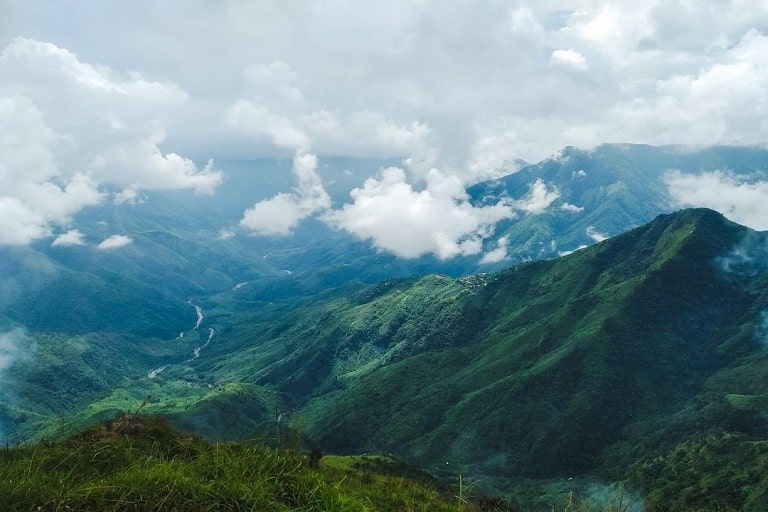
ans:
(133, 463)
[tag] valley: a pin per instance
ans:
(629, 364)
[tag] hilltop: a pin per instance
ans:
(134, 463)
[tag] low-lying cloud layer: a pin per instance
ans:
(740, 198)
(71, 237)
(15, 346)
(114, 242)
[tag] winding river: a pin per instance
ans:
(196, 352)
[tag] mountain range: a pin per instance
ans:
(570, 365)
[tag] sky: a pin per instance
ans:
(102, 100)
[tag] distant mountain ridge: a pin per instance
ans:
(604, 192)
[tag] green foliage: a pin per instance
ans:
(134, 463)
(713, 472)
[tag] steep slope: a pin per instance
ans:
(563, 356)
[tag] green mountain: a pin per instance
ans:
(603, 192)
(551, 362)
(638, 360)
(581, 366)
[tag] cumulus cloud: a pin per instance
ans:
(437, 219)
(67, 129)
(71, 237)
(493, 154)
(399, 61)
(278, 114)
(128, 196)
(140, 164)
(739, 198)
(280, 214)
(720, 101)
(114, 242)
(34, 194)
(259, 121)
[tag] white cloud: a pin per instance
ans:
(34, 193)
(15, 345)
(568, 207)
(276, 216)
(226, 234)
(568, 59)
(114, 242)
(722, 101)
(71, 237)
(738, 198)
(595, 235)
(67, 128)
(437, 219)
(139, 164)
(539, 198)
(498, 254)
(492, 155)
(260, 122)
(566, 253)
(20, 224)
(129, 196)
(280, 214)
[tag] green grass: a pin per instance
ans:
(137, 463)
